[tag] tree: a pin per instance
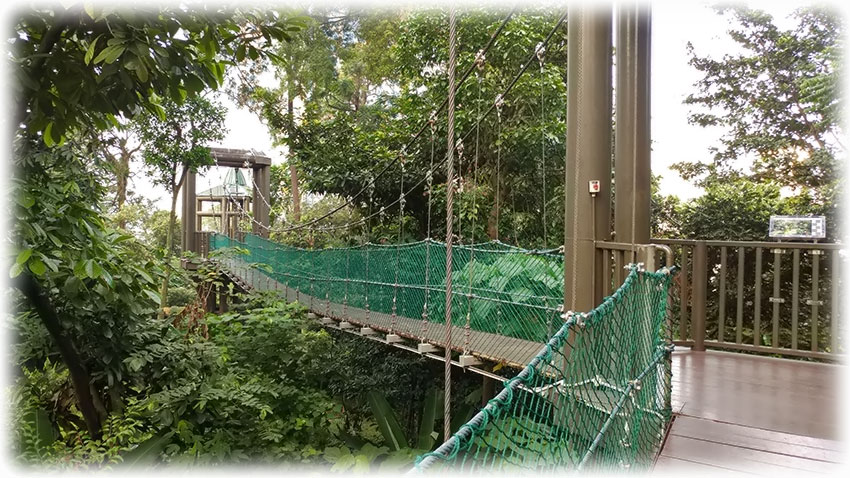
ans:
(778, 101)
(389, 75)
(77, 70)
(119, 148)
(176, 145)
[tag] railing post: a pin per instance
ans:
(700, 275)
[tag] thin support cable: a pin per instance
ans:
(413, 139)
(398, 246)
(499, 102)
(541, 53)
(429, 178)
(479, 59)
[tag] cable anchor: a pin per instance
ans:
(541, 54)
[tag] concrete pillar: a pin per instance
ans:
(588, 153)
(632, 131)
(189, 212)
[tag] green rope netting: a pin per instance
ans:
(503, 289)
(596, 396)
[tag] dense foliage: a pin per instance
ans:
(105, 374)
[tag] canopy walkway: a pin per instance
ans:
(593, 390)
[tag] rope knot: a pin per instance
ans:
(459, 147)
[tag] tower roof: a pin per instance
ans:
(234, 185)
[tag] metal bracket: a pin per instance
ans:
(816, 252)
(367, 331)
(425, 348)
(778, 251)
(777, 300)
(393, 338)
(468, 360)
(814, 302)
(346, 325)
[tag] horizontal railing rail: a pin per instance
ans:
(779, 298)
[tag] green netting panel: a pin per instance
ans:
(596, 397)
(503, 290)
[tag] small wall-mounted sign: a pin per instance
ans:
(593, 186)
(797, 227)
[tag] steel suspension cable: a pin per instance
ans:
(497, 105)
(447, 399)
(541, 52)
(416, 136)
(429, 179)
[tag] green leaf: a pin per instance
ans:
(110, 54)
(25, 199)
(23, 256)
(154, 296)
(37, 267)
(16, 270)
(142, 72)
(89, 8)
(361, 464)
(89, 269)
(47, 135)
(80, 269)
(147, 453)
(90, 50)
(39, 421)
(387, 421)
(429, 418)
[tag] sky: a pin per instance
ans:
(673, 139)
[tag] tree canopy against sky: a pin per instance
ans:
(376, 79)
(778, 101)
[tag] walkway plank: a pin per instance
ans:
(789, 396)
(738, 413)
(493, 347)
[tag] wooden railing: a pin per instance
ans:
(765, 297)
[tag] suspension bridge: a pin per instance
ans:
(588, 330)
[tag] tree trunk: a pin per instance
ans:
(296, 194)
(122, 174)
(79, 375)
(169, 242)
(293, 174)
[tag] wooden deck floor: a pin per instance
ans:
(743, 414)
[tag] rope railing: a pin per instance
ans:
(596, 396)
(511, 294)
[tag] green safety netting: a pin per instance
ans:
(596, 396)
(502, 289)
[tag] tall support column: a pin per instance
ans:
(261, 195)
(189, 213)
(588, 153)
(632, 131)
